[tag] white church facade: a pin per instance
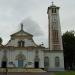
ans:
(22, 52)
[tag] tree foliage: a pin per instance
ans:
(0, 40)
(69, 49)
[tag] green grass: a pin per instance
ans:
(65, 73)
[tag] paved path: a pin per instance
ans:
(46, 73)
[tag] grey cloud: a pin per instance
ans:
(16, 9)
(41, 39)
(18, 5)
(32, 27)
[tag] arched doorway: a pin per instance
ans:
(4, 64)
(36, 64)
(20, 59)
(20, 63)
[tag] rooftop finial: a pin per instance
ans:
(52, 3)
(21, 26)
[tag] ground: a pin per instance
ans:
(44, 73)
(41, 73)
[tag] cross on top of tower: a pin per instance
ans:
(21, 26)
(52, 3)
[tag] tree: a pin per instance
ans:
(0, 40)
(69, 49)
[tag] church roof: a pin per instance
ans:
(22, 32)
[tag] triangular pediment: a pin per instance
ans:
(21, 33)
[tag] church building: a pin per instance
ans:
(21, 51)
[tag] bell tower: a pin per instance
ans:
(54, 29)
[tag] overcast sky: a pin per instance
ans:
(33, 13)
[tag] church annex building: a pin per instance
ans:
(22, 52)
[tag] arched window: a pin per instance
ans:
(53, 10)
(21, 43)
(57, 62)
(46, 61)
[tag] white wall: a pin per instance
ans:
(29, 54)
(52, 56)
(1, 56)
(15, 42)
(41, 56)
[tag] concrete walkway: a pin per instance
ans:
(23, 73)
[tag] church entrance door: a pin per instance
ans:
(20, 63)
(4, 64)
(36, 64)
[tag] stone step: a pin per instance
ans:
(21, 70)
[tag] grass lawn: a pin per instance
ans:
(65, 73)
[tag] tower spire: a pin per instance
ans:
(21, 26)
